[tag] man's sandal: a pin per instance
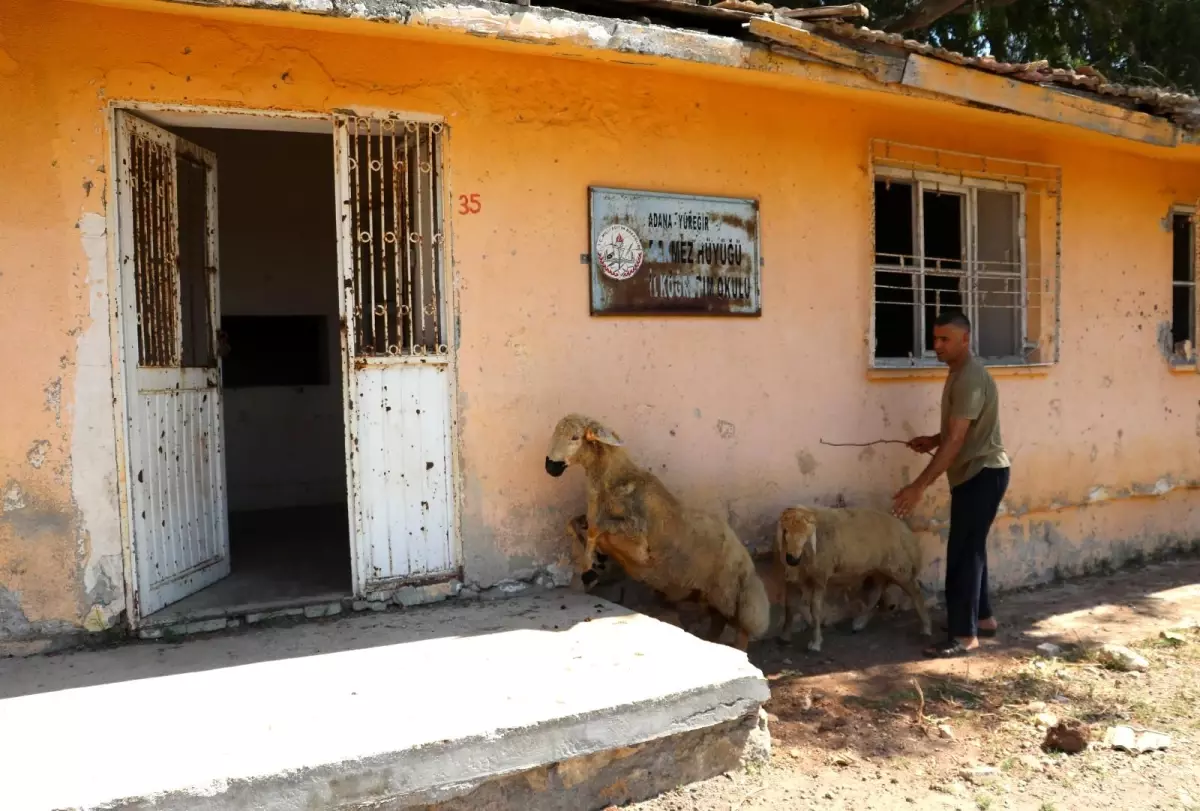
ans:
(983, 633)
(946, 650)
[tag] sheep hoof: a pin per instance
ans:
(589, 577)
(815, 646)
(858, 624)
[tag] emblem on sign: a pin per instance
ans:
(619, 252)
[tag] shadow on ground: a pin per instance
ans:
(860, 692)
(1091, 609)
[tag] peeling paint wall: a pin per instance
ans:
(730, 413)
(60, 551)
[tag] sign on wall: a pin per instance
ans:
(673, 254)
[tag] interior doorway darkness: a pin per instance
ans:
(282, 382)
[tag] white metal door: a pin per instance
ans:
(398, 378)
(167, 224)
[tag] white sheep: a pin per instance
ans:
(682, 553)
(817, 548)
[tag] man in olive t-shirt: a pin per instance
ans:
(971, 454)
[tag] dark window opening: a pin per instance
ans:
(944, 216)
(194, 300)
(1183, 276)
(275, 350)
(895, 311)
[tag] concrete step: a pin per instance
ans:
(557, 701)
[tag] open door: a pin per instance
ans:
(395, 353)
(167, 226)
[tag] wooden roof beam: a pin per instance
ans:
(801, 37)
(980, 87)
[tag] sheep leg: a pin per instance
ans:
(589, 549)
(716, 625)
(790, 598)
(588, 572)
(875, 589)
(666, 611)
(913, 590)
(577, 528)
(629, 550)
(666, 608)
(817, 610)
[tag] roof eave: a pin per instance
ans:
(789, 50)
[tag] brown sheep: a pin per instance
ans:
(679, 552)
(608, 579)
(817, 548)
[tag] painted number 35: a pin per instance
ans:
(469, 204)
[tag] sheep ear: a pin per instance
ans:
(811, 541)
(598, 433)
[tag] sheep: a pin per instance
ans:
(608, 580)
(632, 518)
(816, 548)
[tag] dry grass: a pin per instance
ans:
(1077, 685)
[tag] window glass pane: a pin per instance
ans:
(193, 269)
(1182, 269)
(1182, 309)
(893, 222)
(998, 296)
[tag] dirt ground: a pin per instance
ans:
(869, 724)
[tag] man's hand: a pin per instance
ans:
(924, 444)
(906, 500)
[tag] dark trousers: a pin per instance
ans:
(973, 506)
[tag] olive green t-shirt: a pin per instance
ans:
(971, 393)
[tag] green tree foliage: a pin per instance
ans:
(1155, 42)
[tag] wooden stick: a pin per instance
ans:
(921, 707)
(746, 799)
(867, 444)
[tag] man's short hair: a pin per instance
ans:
(953, 318)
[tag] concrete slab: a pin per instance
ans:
(381, 710)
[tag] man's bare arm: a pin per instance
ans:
(947, 450)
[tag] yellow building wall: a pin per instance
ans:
(730, 412)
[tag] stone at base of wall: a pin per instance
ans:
(549, 577)
(70, 640)
(617, 588)
(31, 647)
(616, 776)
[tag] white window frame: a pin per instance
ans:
(1190, 213)
(923, 181)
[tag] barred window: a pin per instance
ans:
(962, 242)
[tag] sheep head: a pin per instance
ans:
(799, 531)
(570, 442)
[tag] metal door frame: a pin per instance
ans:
(270, 120)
